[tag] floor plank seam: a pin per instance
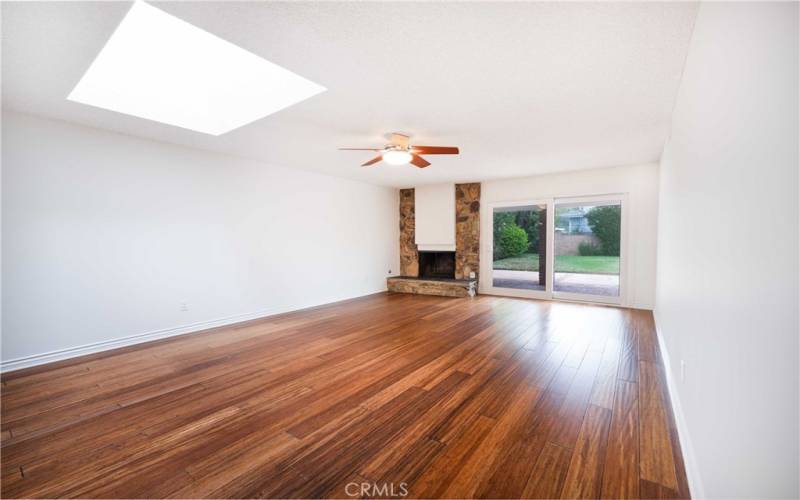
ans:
(493, 399)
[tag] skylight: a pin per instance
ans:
(158, 67)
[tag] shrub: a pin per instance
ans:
(530, 221)
(513, 241)
(586, 248)
(605, 224)
(501, 220)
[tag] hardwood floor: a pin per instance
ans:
(434, 397)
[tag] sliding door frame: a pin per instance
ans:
(548, 293)
(621, 298)
(545, 294)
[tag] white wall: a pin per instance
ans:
(640, 182)
(105, 235)
(727, 301)
(435, 217)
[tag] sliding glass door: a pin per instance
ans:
(587, 246)
(568, 248)
(519, 249)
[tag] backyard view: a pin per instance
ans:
(519, 239)
(565, 263)
(586, 244)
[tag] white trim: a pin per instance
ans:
(517, 293)
(687, 450)
(610, 300)
(105, 345)
(435, 248)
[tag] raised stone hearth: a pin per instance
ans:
(442, 287)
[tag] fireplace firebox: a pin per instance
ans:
(437, 265)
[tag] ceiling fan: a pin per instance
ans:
(400, 152)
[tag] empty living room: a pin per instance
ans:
(401, 250)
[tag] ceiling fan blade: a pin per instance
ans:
(359, 149)
(419, 161)
(435, 150)
(373, 161)
(400, 140)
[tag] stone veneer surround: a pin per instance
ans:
(468, 231)
(409, 258)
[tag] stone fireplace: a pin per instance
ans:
(437, 272)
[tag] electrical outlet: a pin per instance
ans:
(683, 370)
(184, 306)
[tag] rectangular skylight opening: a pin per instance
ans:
(158, 67)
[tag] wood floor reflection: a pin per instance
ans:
(486, 397)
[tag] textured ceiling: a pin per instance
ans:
(521, 88)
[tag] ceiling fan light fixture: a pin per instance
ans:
(396, 157)
(400, 152)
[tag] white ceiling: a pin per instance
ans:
(521, 88)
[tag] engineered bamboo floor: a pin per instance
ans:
(409, 395)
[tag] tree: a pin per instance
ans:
(501, 219)
(529, 220)
(513, 241)
(605, 224)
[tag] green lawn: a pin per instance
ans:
(564, 264)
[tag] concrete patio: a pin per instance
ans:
(593, 284)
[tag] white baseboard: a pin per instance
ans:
(105, 345)
(687, 450)
(523, 294)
